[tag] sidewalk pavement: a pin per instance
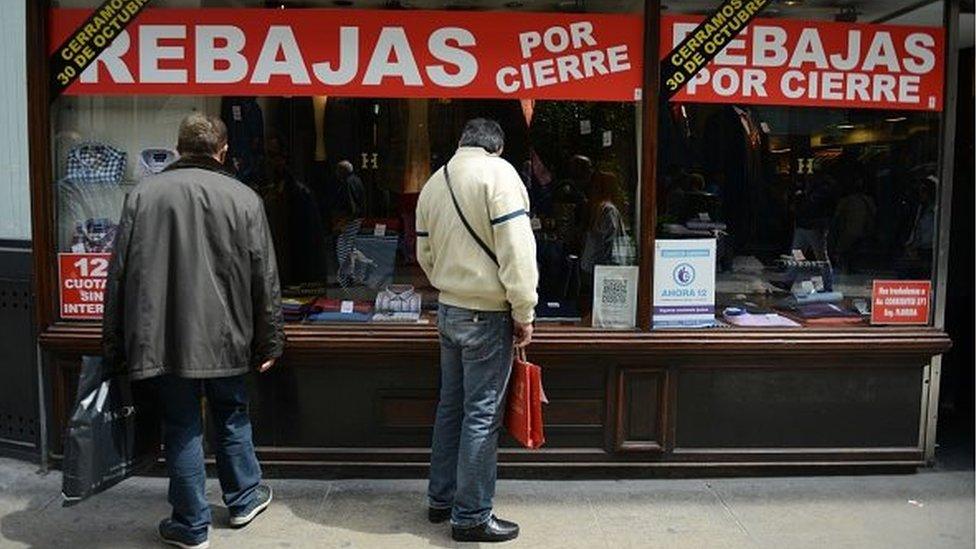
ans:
(930, 509)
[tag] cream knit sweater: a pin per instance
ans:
(495, 203)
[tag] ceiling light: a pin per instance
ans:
(845, 126)
(896, 119)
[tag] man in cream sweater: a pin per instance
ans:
(475, 242)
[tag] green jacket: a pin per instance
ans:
(193, 284)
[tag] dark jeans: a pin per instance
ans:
(237, 465)
(476, 360)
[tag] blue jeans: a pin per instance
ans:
(237, 465)
(476, 360)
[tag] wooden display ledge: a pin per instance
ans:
(621, 403)
(306, 341)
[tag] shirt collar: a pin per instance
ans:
(89, 154)
(400, 293)
(155, 160)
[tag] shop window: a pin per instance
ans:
(340, 178)
(805, 204)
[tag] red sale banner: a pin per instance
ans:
(901, 301)
(82, 279)
(364, 53)
(816, 64)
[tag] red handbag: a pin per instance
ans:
(523, 414)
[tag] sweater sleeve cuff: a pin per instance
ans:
(523, 316)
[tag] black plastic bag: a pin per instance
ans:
(113, 432)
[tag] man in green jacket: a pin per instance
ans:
(193, 298)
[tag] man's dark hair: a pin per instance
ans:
(484, 133)
(201, 134)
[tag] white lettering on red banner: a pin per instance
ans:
(818, 64)
(82, 279)
(367, 53)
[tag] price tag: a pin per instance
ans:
(379, 229)
(798, 255)
(586, 127)
(347, 307)
(553, 304)
(235, 111)
(607, 138)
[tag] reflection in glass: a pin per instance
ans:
(801, 199)
(340, 178)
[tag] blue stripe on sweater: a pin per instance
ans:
(508, 216)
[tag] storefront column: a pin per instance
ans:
(947, 153)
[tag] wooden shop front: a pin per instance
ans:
(801, 198)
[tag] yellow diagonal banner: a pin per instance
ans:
(705, 42)
(89, 40)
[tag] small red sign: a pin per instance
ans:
(82, 279)
(901, 301)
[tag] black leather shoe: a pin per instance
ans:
(438, 516)
(494, 530)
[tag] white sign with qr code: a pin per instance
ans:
(615, 297)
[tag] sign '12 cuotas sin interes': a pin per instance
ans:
(366, 53)
(81, 279)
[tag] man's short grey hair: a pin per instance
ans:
(201, 134)
(484, 133)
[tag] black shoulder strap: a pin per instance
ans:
(464, 220)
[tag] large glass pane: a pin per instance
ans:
(807, 206)
(340, 178)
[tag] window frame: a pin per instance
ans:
(68, 334)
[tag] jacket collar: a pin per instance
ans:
(201, 162)
(475, 151)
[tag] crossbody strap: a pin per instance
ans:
(464, 220)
